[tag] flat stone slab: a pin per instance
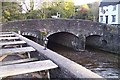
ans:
(12, 42)
(15, 50)
(17, 61)
(5, 32)
(8, 38)
(2, 35)
(16, 69)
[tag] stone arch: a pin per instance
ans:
(55, 32)
(94, 33)
(95, 41)
(63, 38)
(31, 36)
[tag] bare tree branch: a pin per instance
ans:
(26, 6)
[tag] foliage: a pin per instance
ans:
(31, 13)
(82, 12)
(10, 11)
(13, 11)
(87, 11)
(95, 11)
(66, 9)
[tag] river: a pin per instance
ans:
(103, 63)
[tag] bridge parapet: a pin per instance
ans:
(74, 26)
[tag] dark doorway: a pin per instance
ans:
(106, 19)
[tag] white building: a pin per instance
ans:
(109, 12)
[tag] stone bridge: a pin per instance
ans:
(73, 33)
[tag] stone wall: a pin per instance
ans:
(80, 28)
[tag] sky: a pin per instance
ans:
(80, 2)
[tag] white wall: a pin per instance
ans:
(101, 14)
(119, 13)
(109, 13)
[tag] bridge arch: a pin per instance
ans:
(63, 38)
(30, 35)
(95, 41)
(94, 33)
(59, 31)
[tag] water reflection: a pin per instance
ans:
(100, 62)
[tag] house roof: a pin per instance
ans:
(106, 3)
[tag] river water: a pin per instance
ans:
(103, 63)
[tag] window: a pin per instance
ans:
(106, 9)
(101, 18)
(114, 7)
(113, 18)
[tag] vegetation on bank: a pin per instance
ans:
(14, 11)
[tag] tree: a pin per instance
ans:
(95, 11)
(84, 8)
(14, 11)
(69, 9)
(82, 12)
(10, 11)
(35, 14)
(65, 8)
(27, 6)
(87, 11)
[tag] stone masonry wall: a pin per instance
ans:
(80, 28)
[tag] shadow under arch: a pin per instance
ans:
(31, 38)
(95, 41)
(65, 39)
